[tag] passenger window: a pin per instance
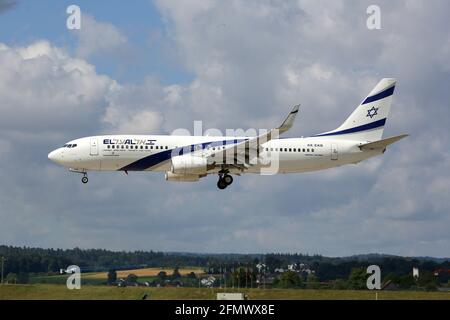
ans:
(271, 149)
(146, 147)
(285, 149)
(151, 147)
(312, 150)
(307, 150)
(295, 150)
(303, 149)
(290, 150)
(123, 147)
(156, 147)
(126, 147)
(109, 147)
(276, 149)
(167, 147)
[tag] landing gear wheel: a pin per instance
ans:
(84, 179)
(221, 184)
(227, 179)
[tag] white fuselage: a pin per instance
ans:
(189, 158)
(154, 152)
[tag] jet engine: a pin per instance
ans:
(181, 177)
(189, 165)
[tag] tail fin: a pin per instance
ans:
(367, 122)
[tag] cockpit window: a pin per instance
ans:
(69, 145)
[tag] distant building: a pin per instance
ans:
(208, 282)
(415, 273)
(260, 266)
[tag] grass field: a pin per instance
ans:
(51, 292)
(147, 272)
(99, 278)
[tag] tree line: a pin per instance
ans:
(24, 260)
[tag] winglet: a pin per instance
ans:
(289, 121)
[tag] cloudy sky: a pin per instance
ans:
(152, 67)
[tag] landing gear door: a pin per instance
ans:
(94, 147)
(334, 151)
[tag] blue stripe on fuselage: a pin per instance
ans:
(364, 127)
(157, 158)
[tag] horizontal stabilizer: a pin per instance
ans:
(381, 144)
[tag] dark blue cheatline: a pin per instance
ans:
(364, 127)
(157, 158)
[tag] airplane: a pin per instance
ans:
(190, 158)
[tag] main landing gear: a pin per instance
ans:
(224, 181)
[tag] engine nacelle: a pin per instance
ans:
(181, 177)
(189, 165)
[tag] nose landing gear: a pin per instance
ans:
(224, 181)
(83, 172)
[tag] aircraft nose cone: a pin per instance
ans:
(53, 155)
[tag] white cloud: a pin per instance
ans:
(42, 87)
(250, 61)
(95, 37)
(139, 123)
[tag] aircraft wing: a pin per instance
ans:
(381, 144)
(243, 151)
